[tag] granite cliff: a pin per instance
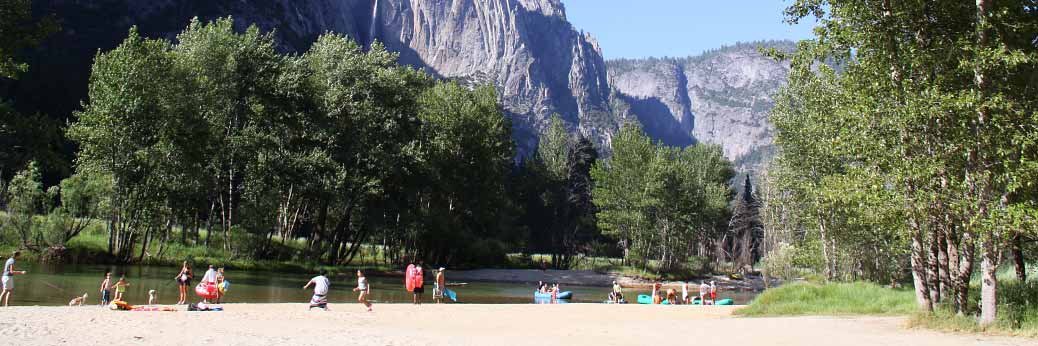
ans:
(722, 96)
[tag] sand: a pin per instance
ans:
(429, 324)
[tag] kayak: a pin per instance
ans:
(562, 295)
(726, 301)
(450, 295)
(647, 299)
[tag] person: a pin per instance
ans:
(418, 277)
(439, 285)
(219, 284)
(209, 279)
(321, 285)
(210, 275)
(672, 296)
(555, 293)
(8, 276)
(363, 289)
(713, 293)
(617, 295)
(542, 287)
(656, 294)
(184, 282)
(120, 288)
(684, 293)
(106, 286)
(704, 291)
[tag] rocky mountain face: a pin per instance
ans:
(722, 97)
(539, 63)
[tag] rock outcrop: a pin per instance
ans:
(539, 63)
(722, 97)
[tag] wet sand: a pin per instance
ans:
(429, 324)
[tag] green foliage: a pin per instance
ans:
(917, 153)
(18, 31)
(660, 201)
(830, 299)
(25, 199)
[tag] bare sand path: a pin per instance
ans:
(572, 324)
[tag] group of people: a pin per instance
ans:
(322, 285)
(707, 294)
(213, 277)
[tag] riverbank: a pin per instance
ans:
(594, 278)
(429, 324)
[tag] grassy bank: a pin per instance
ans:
(1017, 312)
(856, 298)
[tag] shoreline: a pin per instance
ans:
(461, 324)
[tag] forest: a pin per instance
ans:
(907, 151)
(219, 140)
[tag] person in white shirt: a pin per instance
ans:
(321, 285)
(210, 276)
(8, 276)
(364, 288)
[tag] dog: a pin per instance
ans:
(77, 301)
(151, 297)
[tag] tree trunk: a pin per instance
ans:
(919, 268)
(942, 265)
(826, 256)
(933, 268)
(1018, 257)
(989, 282)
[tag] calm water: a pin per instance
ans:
(57, 284)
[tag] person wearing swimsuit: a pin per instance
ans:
(183, 282)
(364, 290)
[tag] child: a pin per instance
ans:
(364, 288)
(106, 292)
(713, 293)
(151, 297)
(120, 288)
(8, 276)
(320, 298)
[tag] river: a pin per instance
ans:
(57, 284)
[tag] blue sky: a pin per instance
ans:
(677, 28)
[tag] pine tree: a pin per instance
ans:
(746, 227)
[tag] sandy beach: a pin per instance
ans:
(429, 324)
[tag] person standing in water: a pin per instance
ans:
(8, 276)
(684, 293)
(439, 285)
(657, 295)
(120, 288)
(219, 284)
(363, 289)
(713, 293)
(106, 289)
(419, 286)
(617, 293)
(704, 292)
(321, 285)
(184, 282)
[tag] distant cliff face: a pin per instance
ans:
(538, 62)
(526, 48)
(722, 97)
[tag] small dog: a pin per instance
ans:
(77, 301)
(151, 297)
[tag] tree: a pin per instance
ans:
(128, 132)
(19, 31)
(924, 123)
(746, 227)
